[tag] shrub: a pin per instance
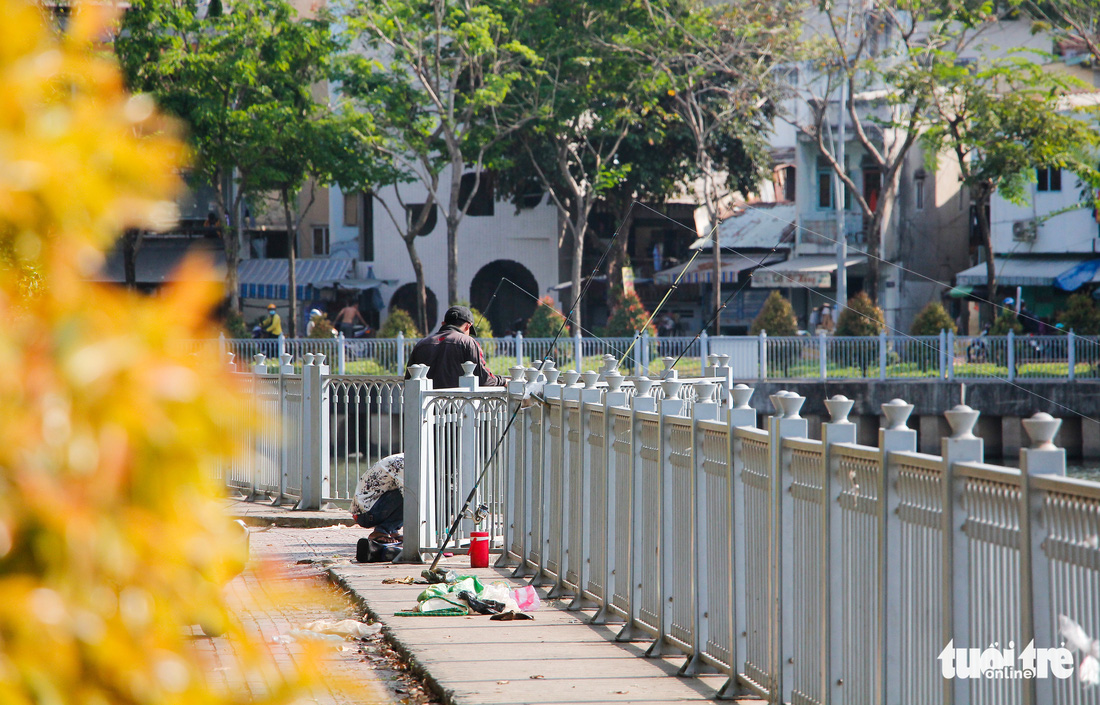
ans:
(628, 316)
(1006, 321)
(931, 320)
(322, 328)
(861, 317)
(776, 318)
(235, 326)
(399, 321)
(545, 321)
(1081, 315)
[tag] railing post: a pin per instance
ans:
(943, 354)
(417, 490)
(613, 398)
(552, 390)
(286, 428)
(1036, 608)
(762, 356)
(1071, 355)
(704, 348)
(578, 351)
(400, 352)
(741, 414)
(514, 465)
(314, 412)
(882, 354)
(949, 353)
(637, 352)
(281, 346)
(838, 430)
(589, 395)
(1011, 343)
(221, 345)
(822, 352)
(341, 354)
(961, 447)
(706, 408)
(670, 405)
(259, 368)
(786, 424)
(519, 348)
(895, 437)
(643, 400)
(644, 342)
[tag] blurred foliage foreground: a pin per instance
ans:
(112, 537)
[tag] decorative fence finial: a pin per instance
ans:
(672, 386)
(614, 380)
(791, 404)
(704, 392)
(531, 374)
(723, 360)
(318, 358)
(643, 386)
(962, 419)
(590, 379)
(551, 374)
(667, 372)
(307, 359)
(741, 394)
(774, 398)
(419, 371)
(839, 406)
(712, 360)
(285, 359)
(897, 412)
(517, 372)
(468, 369)
(571, 377)
(1041, 429)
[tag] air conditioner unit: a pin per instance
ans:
(1025, 230)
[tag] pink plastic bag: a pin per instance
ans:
(527, 599)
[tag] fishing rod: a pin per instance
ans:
(432, 574)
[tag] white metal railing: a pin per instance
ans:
(945, 356)
(808, 570)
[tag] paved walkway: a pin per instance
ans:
(557, 658)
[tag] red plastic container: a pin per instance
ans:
(479, 549)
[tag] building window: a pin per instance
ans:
(412, 214)
(1048, 178)
(918, 194)
(784, 178)
(826, 178)
(320, 240)
(351, 208)
(481, 203)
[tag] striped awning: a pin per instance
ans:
(267, 278)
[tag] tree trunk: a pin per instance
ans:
(452, 262)
(617, 255)
(232, 243)
(874, 253)
(421, 287)
(580, 225)
(981, 199)
(291, 251)
(131, 244)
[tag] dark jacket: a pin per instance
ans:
(444, 352)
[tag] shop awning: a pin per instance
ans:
(267, 278)
(813, 271)
(1028, 271)
(759, 225)
(701, 271)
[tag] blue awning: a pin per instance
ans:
(1076, 277)
(267, 278)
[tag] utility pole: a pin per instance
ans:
(841, 235)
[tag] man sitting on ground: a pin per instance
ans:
(445, 350)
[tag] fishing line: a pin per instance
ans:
(515, 412)
(836, 303)
(994, 304)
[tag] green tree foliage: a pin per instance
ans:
(861, 317)
(776, 318)
(931, 320)
(443, 98)
(1002, 118)
(1081, 315)
(545, 321)
(322, 328)
(399, 321)
(628, 316)
(1006, 321)
(235, 326)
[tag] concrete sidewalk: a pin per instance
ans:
(557, 658)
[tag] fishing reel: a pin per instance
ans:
(476, 514)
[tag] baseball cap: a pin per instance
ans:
(270, 307)
(459, 315)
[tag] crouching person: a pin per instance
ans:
(378, 504)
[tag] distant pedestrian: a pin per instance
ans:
(271, 324)
(347, 317)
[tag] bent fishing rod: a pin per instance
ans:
(431, 571)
